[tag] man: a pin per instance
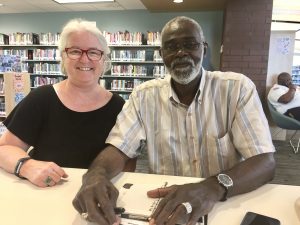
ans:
(285, 96)
(193, 123)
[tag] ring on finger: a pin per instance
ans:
(48, 180)
(84, 215)
(188, 207)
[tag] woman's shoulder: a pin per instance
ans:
(42, 90)
(115, 103)
(117, 99)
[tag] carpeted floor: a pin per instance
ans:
(288, 164)
(287, 168)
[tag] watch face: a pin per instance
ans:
(225, 180)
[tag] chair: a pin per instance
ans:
(285, 122)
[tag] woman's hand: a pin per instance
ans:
(42, 174)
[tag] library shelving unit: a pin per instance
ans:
(296, 75)
(39, 55)
(134, 60)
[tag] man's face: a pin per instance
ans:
(285, 80)
(182, 51)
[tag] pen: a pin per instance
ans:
(135, 217)
(146, 218)
(119, 210)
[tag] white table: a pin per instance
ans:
(22, 203)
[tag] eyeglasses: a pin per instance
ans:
(188, 46)
(92, 54)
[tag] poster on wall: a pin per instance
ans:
(18, 87)
(284, 45)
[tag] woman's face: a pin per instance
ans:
(84, 70)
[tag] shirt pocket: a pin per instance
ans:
(221, 153)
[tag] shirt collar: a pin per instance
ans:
(173, 96)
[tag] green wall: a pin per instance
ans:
(131, 20)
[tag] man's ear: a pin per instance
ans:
(160, 52)
(205, 45)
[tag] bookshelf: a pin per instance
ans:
(134, 59)
(296, 75)
(39, 55)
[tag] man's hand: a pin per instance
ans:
(42, 174)
(292, 86)
(97, 197)
(202, 197)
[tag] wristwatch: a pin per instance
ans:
(226, 182)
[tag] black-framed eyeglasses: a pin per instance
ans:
(188, 46)
(92, 54)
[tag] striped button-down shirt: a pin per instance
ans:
(223, 125)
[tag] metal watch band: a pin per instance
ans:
(19, 166)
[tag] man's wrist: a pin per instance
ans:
(292, 87)
(226, 183)
(94, 172)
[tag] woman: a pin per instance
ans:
(66, 123)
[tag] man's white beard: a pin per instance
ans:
(186, 74)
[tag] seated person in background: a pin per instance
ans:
(285, 96)
(192, 123)
(66, 123)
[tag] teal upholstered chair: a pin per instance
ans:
(285, 122)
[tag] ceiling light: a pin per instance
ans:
(1, 4)
(81, 1)
(177, 1)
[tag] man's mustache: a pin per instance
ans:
(182, 60)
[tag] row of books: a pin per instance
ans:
(117, 38)
(153, 38)
(132, 38)
(129, 70)
(45, 54)
(22, 53)
(128, 55)
(159, 71)
(19, 38)
(45, 68)
(134, 70)
(123, 85)
(123, 38)
(39, 81)
(35, 54)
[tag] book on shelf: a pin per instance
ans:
(4, 39)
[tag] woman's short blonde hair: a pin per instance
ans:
(78, 24)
